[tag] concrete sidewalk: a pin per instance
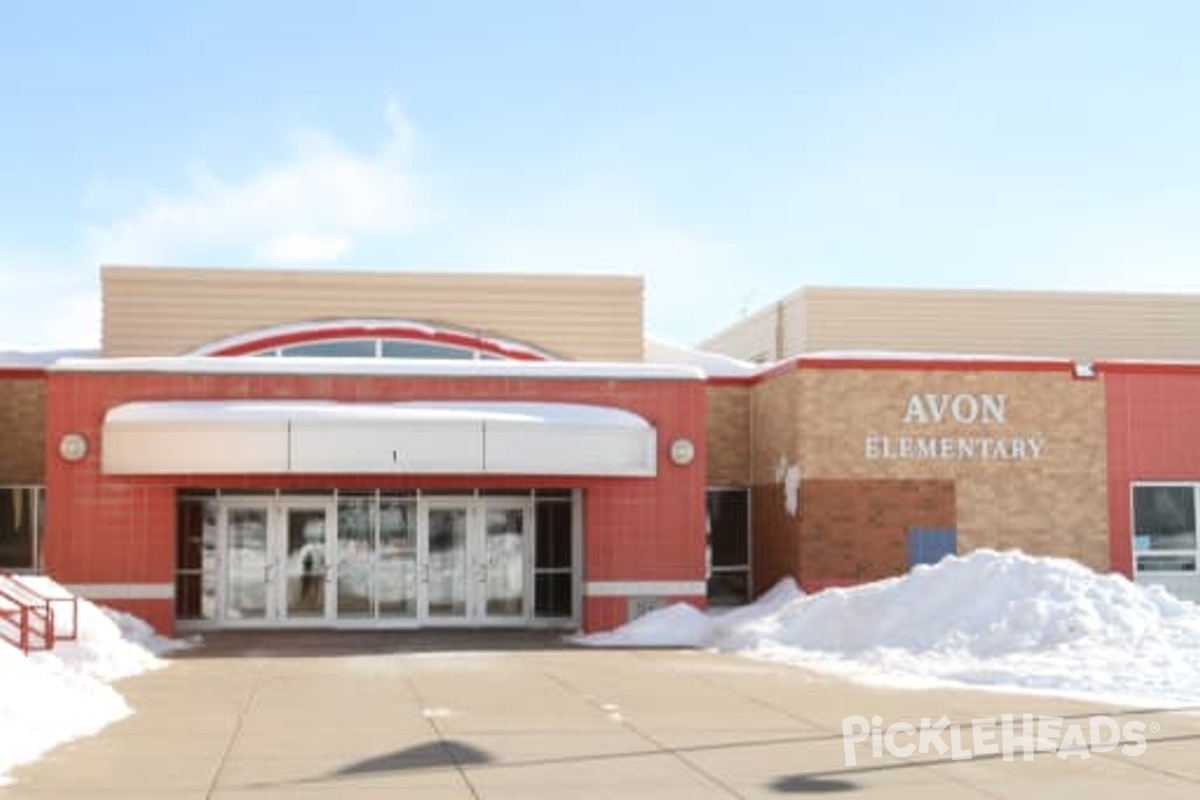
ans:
(449, 717)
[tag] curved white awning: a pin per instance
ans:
(221, 437)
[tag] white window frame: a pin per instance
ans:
(1194, 553)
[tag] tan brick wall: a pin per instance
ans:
(728, 435)
(1056, 505)
(22, 430)
(775, 435)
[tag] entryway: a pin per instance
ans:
(380, 559)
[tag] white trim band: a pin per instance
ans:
(645, 589)
(124, 591)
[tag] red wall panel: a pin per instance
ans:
(120, 529)
(1153, 435)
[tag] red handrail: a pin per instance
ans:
(26, 614)
(47, 604)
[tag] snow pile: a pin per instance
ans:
(47, 698)
(987, 619)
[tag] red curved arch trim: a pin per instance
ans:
(340, 332)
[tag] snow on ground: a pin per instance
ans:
(47, 698)
(989, 619)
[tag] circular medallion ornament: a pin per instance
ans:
(72, 447)
(682, 451)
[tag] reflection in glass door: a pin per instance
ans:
(305, 562)
(276, 564)
(504, 563)
(397, 567)
(391, 558)
(445, 575)
(355, 556)
(247, 563)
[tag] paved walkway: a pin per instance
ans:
(428, 716)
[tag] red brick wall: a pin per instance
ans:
(774, 538)
(844, 532)
(603, 613)
(1153, 435)
(854, 531)
(120, 529)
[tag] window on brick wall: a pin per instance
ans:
(728, 546)
(22, 509)
(1164, 527)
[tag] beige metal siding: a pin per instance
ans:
(793, 325)
(1078, 325)
(171, 311)
(22, 430)
(751, 339)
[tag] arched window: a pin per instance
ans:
(371, 339)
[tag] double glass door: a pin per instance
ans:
(466, 560)
(276, 564)
(476, 561)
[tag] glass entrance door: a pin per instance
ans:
(444, 561)
(277, 565)
(303, 539)
(474, 561)
(392, 559)
(248, 563)
(503, 563)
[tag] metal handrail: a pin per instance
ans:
(47, 603)
(26, 613)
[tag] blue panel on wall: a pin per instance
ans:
(929, 546)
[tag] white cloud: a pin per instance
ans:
(52, 306)
(312, 207)
(303, 248)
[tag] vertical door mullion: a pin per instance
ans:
(422, 561)
(477, 553)
(376, 555)
(222, 610)
(331, 561)
(276, 610)
(530, 534)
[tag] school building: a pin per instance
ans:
(265, 448)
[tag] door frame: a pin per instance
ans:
(275, 574)
(475, 607)
(475, 502)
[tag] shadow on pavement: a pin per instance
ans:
(432, 755)
(807, 784)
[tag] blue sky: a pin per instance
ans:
(728, 151)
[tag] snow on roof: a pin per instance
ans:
(714, 365)
(384, 367)
(40, 358)
(574, 414)
(905, 355)
(367, 326)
